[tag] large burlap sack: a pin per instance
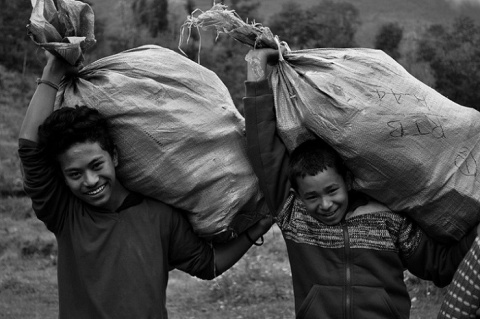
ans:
(179, 136)
(407, 145)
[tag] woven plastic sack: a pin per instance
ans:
(407, 145)
(179, 136)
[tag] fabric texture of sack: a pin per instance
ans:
(407, 145)
(180, 137)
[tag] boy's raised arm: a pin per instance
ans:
(267, 153)
(43, 100)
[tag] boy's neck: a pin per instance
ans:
(119, 194)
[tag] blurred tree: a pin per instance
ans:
(190, 47)
(327, 24)
(454, 57)
(159, 17)
(16, 47)
(17, 50)
(153, 14)
(127, 32)
(140, 11)
(288, 23)
(227, 56)
(99, 31)
(388, 39)
(246, 9)
(228, 62)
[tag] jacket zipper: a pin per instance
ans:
(348, 274)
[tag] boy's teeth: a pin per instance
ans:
(96, 191)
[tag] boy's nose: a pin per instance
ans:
(326, 204)
(90, 179)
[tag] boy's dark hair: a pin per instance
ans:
(71, 125)
(312, 157)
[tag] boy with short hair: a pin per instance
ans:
(115, 247)
(347, 252)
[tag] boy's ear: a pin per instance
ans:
(115, 157)
(295, 192)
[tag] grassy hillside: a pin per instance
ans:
(15, 93)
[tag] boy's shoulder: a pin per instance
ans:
(164, 210)
(370, 206)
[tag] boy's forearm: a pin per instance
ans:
(43, 101)
(227, 254)
(267, 153)
(438, 262)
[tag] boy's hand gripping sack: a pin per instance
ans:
(179, 136)
(407, 145)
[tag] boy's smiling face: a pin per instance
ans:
(325, 195)
(89, 172)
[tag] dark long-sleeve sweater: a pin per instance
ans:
(112, 264)
(353, 269)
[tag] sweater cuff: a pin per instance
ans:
(257, 88)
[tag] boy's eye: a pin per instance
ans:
(97, 166)
(332, 190)
(74, 175)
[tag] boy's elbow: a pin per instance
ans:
(442, 283)
(208, 274)
(443, 279)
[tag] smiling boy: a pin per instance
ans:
(89, 172)
(320, 182)
(115, 247)
(347, 252)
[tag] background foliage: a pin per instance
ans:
(453, 54)
(15, 47)
(388, 39)
(327, 24)
(445, 56)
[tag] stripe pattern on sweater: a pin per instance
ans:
(381, 230)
